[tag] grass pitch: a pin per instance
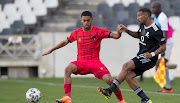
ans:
(83, 90)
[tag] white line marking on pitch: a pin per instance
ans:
(81, 86)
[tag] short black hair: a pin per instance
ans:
(86, 13)
(145, 10)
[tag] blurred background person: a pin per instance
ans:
(161, 20)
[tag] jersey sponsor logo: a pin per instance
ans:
(101, 68)
(79, 39)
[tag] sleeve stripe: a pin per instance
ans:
(109, 34)
(69, 40)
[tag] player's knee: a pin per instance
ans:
(110, 81)
(69, 70)
(125, 67)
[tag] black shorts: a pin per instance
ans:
(142, 64)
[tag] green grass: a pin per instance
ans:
(83, 91)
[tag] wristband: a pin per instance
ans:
(153, 54)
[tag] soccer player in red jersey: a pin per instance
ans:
(88, 40)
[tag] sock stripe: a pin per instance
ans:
(116, 82)
(138, 90)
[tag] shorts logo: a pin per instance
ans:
(101, 68)
(143, 59)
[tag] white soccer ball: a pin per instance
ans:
(33, 95)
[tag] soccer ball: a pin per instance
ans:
(33, 95)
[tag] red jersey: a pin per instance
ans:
(88, 43)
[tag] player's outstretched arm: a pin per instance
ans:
(60, 45)
(116, 35)
(131, 33)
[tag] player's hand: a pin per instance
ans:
(48, 52)
(147, 55)
(118, 29)
(122, 28)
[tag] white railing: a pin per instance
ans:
(19, 47)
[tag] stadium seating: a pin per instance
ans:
(103, 7)
(11, 12)
(78, 24)
(127, 2)
(122, 15)
(142, 2)
(38, 7)
(4, 2)
(111, 24)
(133, 9)
(33, 12)
(3, 21)
(51, 3)
(18, 27)
(118, 7)
(7, 31)
(20, 3)
(0, 8)
(28, 16)
(112, 2)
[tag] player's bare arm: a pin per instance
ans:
(124, 29)
(165, 33)
(116, 35)
(161, 49)
(60, 45)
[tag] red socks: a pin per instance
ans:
(119, 96)
(67, 89)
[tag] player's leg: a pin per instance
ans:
(71, 68)
(108, 79)
(135, 86)
(121, 77)
(129, 66)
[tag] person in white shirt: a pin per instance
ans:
(162, 22)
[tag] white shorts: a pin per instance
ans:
(169, 45)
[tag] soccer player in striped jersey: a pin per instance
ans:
(88, 40)
(151, 43)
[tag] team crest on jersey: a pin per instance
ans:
(94, 38)
(147, 34)
(101, 68)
